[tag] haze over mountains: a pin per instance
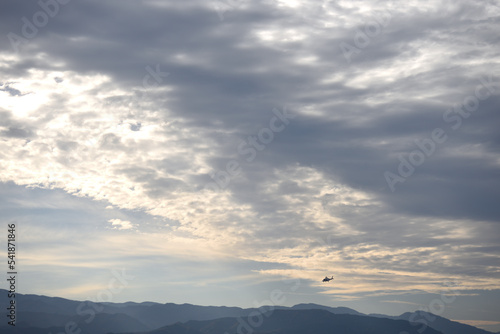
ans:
(40, 314)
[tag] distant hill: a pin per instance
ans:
(296, 322)
(441, 324)
(41, 319)
(336, 310)
(420, 319)
(103, 323)
(44, 315)
(57, 311)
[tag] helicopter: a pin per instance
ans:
(326, 279)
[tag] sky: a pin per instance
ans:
(212, 152)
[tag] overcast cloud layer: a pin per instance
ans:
(289, 138)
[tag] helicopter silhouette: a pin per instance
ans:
(326, 279)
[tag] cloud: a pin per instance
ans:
(478, 323)
(121, 224)
(314, 198)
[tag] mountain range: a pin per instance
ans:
(37, 314)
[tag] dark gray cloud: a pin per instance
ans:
(12, 91)
(225, 79)
(16, 133)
